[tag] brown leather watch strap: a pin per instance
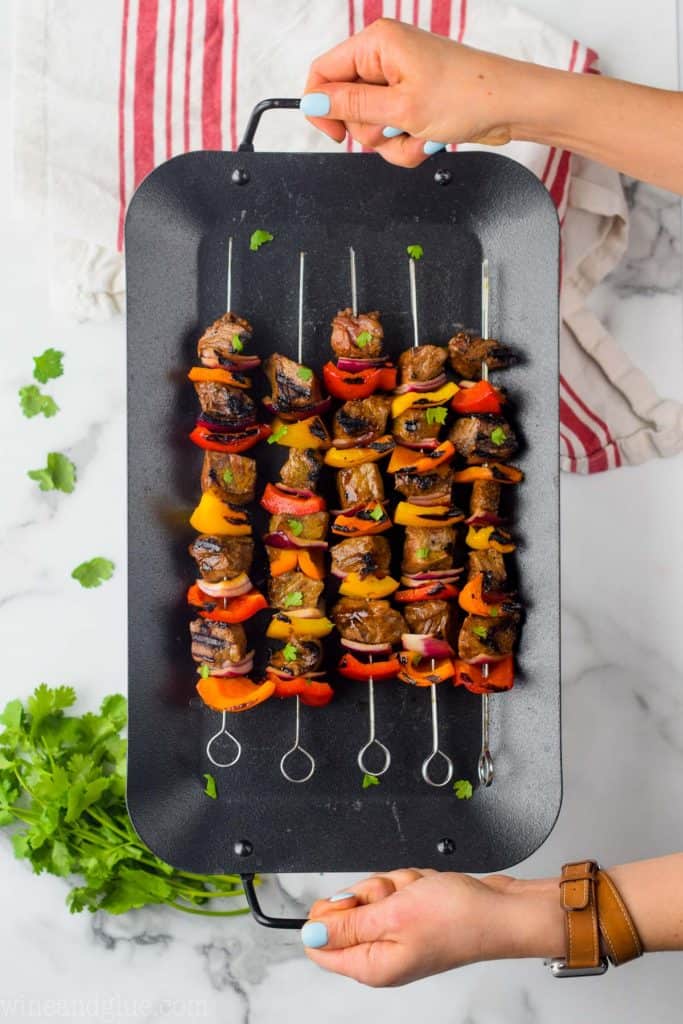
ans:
(618, 931)
(578, 899)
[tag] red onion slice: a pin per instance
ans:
(488, 519)
(224, 588)
(417, 578)
(303, 613)
(315, 409)
(222, 427)
(428, 645)
(237, 362)
(430, 499)
(421, 385)
(484, 659)
(298, 492)
(280, 539)
(348, 364)
(361, 441)
(429, 444)
(355, 645)
(281, 674)
(239, 668)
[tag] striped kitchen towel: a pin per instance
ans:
(104, 92)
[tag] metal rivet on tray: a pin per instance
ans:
(443, 177)
(243, 848)
(239, 176)
(446, 846)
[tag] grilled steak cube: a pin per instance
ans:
(481, 637)
(294, 590)
(433, 487)
(485, 498)
(234, 476)
(360, 484)
(345, 330)
(302, 468)
(422, 363)
(217, 644)
(364, 418)
(489, 562)
(216, 343)
(313, 526)
(413, 426)
(225, 404)
(364, 555)
(483, 438)
(430, 618)
(290, 392)
(298, 656)
(221, 558)
(368, 622)
(467, 352)
(427, 549)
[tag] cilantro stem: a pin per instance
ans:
(205, 913)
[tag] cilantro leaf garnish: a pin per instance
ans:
(58, 475)
(48, 365)
(93, 573)
(237, 343)
(228, 476)
(416, 252)
(363, 338)
(493, 612)
(423, 553)
(370, 780)
(296, 526)
(277, 435)
(33, 401)
(294, 600)
(259, 238)
(377, 513)
(463, 789)
(480, 631)
(305, 373)
(498, 436)
(210, 787)
(437, 415)
(289, 652)
(204, 670)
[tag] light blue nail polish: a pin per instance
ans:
(314, 934)
(342, 896)
(391, 133)
(315, 104)
(433, 147)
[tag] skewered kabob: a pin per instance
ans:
(367, 624)
(295, 542)
(223, 596)
(485, 440)
(423, 475)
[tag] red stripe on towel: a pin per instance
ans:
(212, 76)
(372, 10)
(188, 76)
(169, 82)
(597, 456)
(352, 32)
(440, 20)
(463, 20)
(233, 73)
(143, 96)
(122, 124)
(592, 415)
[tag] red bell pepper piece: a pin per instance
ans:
(276, 502)
(353, 668)
(312, 692)
(431, 591)
(481, 397)
(214, 441)
(501, 676)
(230, 610)
(346, 385)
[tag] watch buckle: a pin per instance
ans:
(559, 969)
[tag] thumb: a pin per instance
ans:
(344, 928)
(354, 103)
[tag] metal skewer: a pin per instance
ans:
(297, 748)
(372, 738)
(228, 290)
(485, 762)
(436, 752)
(223, 732)
(354, 289)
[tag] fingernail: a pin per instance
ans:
(433, 147)
(314, 934)
(315, 104)
(342, 896)
(391, 133)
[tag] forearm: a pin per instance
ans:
(633, 128)
(651, 889)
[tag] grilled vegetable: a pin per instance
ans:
(220, 376)
(308, 433)
(430, 591)
(339, 458)
(491, 471)
(236, 609)
(370, 587)
(348, 384)
(313, 692)
(282, 626)
(423, 399)
(484, 537)
(420, 462)
(407, 514)
(276, 501)
(212, 439)
(372, 518)
(233, 694)
(213, 515)
(352, 667)
(480, 397)
(500, 677)
(419, 671)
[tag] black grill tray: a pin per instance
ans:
(176, 244)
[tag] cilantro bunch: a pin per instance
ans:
(62, 778)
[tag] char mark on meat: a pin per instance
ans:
(428, 549)
(221, 558)
(346, 328)
(302, 468)
(294, 590)
(216, 643)
(225, 404)
(467, 351)
(482, 438)
(368, 622)
(363, 555)
(234, 476)
(216, 343)
(290, 392)
(360, 484)
(298, 656)
(414, 426)
(422, 363)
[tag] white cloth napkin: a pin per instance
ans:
(104, 92)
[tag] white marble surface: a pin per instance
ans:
(623, 659)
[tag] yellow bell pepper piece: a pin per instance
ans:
(489, 537)
(214, 516)
(426, 515)
(282, 626)
(423, 399)
(370, 587)
(309, 433)
(340, 458)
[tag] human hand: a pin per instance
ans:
(408, 924)
(435, 90)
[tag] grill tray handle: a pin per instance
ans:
(247, 143)
(255, 907)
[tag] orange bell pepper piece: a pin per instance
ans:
(372, 518)
(238, 694)
(313, 692)
(471, 598)
(417, 670)
(501, 676)
(311, 563)
(497, 471)
(284, 561)
(219, 376)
